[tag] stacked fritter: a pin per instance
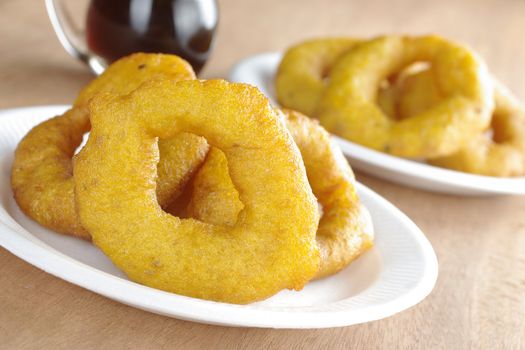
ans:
(200, 188)
(424, 98)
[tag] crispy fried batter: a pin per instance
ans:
(273, 240)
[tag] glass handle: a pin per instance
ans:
(72, 39)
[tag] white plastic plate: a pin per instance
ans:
(396, 274)
(259, 70)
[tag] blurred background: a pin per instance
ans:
(494, 28)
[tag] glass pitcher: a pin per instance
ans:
(116, 28)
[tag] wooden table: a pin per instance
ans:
(480, 242)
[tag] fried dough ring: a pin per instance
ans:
(273, 240)
(42, 177)
(348, 106)
(500, 154)
(345, 229)
(301, 76)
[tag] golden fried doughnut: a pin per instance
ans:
(348, 106)
(273, 240)
(345, 229)
(42, 171)
(301, 76)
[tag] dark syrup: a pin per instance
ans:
(116, 28)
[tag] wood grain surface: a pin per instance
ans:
(478, 301)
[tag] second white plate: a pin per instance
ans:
(259, 70)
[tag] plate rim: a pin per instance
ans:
(20, 242)
(483, 185)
